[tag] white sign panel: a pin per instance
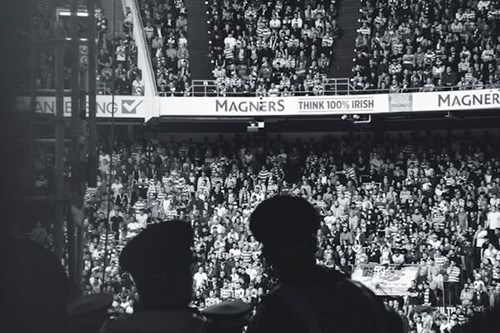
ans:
(386, 280)
(400, 102)
(122, 106)
(135, 106)
(272, 106)
(457, 100)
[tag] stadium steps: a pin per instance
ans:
(344, 48)
(198, 37)
(107, 9)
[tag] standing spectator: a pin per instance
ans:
(116, 223)
(128, 22)
(452, 283)
(138, 86)
(293, 255)
(449, 78)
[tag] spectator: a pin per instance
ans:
(273, 41)
(154, 180)
(111, 51)
(138, 86)
(436, 31)
(165, 30)
(128, 22)
(166, 272)
(290, 246)
(452, 284)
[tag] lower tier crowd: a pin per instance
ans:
(427, 199)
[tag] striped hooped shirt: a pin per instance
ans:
(246, 256)
(225, 293)
(426, 296)
(351, 173)
(454, 274)
(440, 260)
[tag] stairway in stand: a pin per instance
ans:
(198, 37)
(343, 51)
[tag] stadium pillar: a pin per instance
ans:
(75, 220)
(92, 121)
(33, 93)
(59, 143)
(87, 174)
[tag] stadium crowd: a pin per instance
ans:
(116, 54)
(431, 200)
(165, 28)
(427, 45)
(274, 48)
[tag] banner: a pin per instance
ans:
(122, 107)
(457, 100)
(386, 280)
(400, 102)
(272, 106)
(135, 106)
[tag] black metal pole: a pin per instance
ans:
(33, 93)
(111, 150)
(59, 143)
(74, 158)
(92, 122)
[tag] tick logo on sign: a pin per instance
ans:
(129, 106)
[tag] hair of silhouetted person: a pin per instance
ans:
(159, 260)
(287, 227)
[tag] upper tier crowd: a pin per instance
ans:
(427, 199)
(412, 45)
(286, 47)
(272, 48)
(116, 56)
(165, 28)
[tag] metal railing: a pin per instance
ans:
(210, 88)
(330, 87)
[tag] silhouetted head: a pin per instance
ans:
(287, 228)
(159, 260)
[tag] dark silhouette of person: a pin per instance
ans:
(309, 298)
(486, 322)
(87, 314)
(229, 316)
(159, 260)
(35, 288)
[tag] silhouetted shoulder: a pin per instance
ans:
(158, 321)
(327, 301)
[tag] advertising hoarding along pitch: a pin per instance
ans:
(385, 280)
(135, 106)
(457, 100)
(272, 106)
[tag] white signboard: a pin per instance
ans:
(272, 106)
(457, 100)
(386, 280)
(135, 106)
(122, 106)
